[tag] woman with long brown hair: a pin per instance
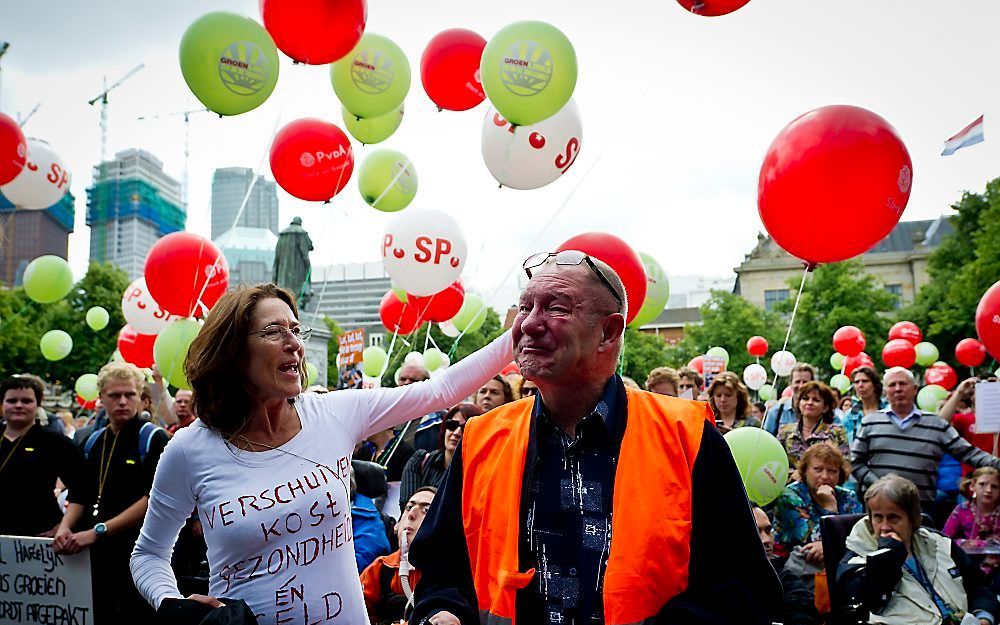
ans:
(267, 467)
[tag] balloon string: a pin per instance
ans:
(392, 182)
(16, 315)
(427, 338)
(791, 320)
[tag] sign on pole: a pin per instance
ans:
(38, 585)
(349, 357)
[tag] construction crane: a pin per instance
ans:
(187, 141)
(103, 99)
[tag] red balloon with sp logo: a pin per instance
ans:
(988, 320)
(311, 159)
(314, 31)
(449, 69)
(839, 169)
(186, 273)
(712, 8)
(13, 149)
(620, 257)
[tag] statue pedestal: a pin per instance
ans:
(316, 346)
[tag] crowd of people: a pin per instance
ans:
(560, 494)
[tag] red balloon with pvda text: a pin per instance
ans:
(316, 32)
(449, 69)
(186, 274)
(621, 258)
(988, 320)
(837, 169)
(311, 159)
(712, 8)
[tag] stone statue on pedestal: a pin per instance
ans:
(292, 269)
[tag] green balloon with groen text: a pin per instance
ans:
(373, 79)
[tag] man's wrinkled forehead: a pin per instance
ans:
(553, 275)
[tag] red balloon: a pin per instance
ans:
(698, 364)
(788, 392)
(449, 69)
(906, 330)
(315, 31)
(396, 316)
(970, 352)
(832, 166)
(312, 159)
(757, 346)
(13, 149)
(441, 306)
(712, 8)
(87, 405)
(183, 269)
(511, 368)
(860, 360)
(620, 257)
(988, 320)
(136, 348)
(899, 353)
(942, 374)
(849, 341)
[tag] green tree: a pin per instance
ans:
(961, 269)
(835, 295)
(333, 347)
(728, 321)
(643, 352)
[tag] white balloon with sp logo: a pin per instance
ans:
(529, 157)
(42, 182)
(141, 310)
(423, 251)
(755, 376)
(783, 362)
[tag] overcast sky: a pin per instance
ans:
(683, 108)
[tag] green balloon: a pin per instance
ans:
(229, 62)
(388, 180)
(373, 361)
(718, 352)
(373, 129)
(55, 345)
(47, 279)
(528, 71)
(657, 292)
(433, 359)
(86, 386)
(312, 372)
(929, 397)
(840, 382)
(762, 463)
(837, 361)
(170, 350)
(472, 315)
(374, 77)
(766, 392)
(927, 353)
(97, 318)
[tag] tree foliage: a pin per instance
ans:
(642, 353)
(961, 269)
(24, 322)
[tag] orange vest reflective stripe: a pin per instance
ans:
(651, 507)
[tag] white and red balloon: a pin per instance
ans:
(42, 182)
(423, 251)
(141, 310)
(529, 157)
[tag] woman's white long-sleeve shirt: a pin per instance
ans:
(277, 523)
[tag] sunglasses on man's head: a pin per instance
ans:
(569, 258)
(451, 425)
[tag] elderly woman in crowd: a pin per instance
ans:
(663, 380)
(427, 468)
(813, 405)
(730, 401)
(903, 573)
(267, 466)
(803, 503)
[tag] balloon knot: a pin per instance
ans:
(810, 267)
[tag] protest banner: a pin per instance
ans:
(38, 585)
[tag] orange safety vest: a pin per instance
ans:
(651, 507)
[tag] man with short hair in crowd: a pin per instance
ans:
(495, 392)
(525, 527)
(183, 410)
(902, 439)
(385, 597)
(784, 411)
(689, 383)
(31, 460)
(799, 601)
(109, 500)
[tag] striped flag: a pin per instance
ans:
(970, 135)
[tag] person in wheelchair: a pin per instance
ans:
(902, 573)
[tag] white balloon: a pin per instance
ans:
(783, 362)
(141, 310)
(445, 363)
(42, 182)
(755, 376)
(448, 329)
(423, 251)
(528, 157)
(414, 358)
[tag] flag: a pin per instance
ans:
(970, 135)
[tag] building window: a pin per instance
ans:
(772, 297)
(897, 291)
(375, 340)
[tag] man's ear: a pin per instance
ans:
(613, 328)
